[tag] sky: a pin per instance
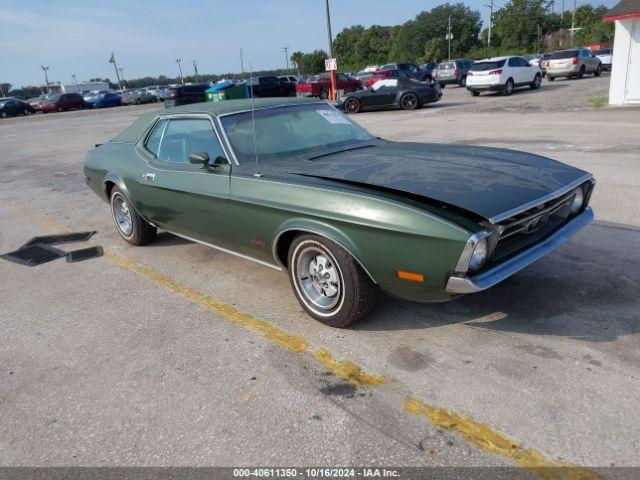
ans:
(77, 36)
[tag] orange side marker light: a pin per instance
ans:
(411, 276)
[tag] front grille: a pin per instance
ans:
(531, 226)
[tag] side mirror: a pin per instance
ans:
(199, 157)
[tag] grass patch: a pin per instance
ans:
(598, 102)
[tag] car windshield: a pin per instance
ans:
(483, 66)
(293, 130)
(564, 54)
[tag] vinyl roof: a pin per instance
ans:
(133, 133)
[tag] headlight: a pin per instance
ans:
(479, 254)
(578, 200)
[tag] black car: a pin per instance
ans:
(271, 87)
(10, 107)
(186, 94)
(409, 69)
(406, 93)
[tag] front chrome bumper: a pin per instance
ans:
(489, 278)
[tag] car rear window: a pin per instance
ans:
(483, 66)
(446, 65)
(604, 51)
(564, 54)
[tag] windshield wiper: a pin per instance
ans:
(345, 149)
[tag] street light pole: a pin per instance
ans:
(332, 93)
(449, 36)
(286, 56)
(46, 77)
(195, 67)
(178, 60)
(115, 66)
(75, 82)
(490, 7)
(122, 77)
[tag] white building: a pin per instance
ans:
(624, 88)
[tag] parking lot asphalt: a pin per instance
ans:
(175, 354)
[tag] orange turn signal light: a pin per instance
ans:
(411, 276)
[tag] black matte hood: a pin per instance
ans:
(482, 180)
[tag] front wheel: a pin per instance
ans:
(598, 71)
(409, 101)
(329, 284)
(324, 94)
(132, 227)
(352, 105)
(536, 82)
(475, 93)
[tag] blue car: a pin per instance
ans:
(103, 99)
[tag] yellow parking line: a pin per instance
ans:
(471, 430)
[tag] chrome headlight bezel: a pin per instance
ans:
(476, 241)
(578, 200)
(479, 254)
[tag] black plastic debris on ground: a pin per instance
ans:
(61, 238)
(34, 255)
(85, 254)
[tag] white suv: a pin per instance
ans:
(502, 74)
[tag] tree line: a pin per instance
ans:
(519, 27)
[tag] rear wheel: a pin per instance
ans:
(442, 85)
(131, 226)
(329, 284)
(463, 81)
(581, 72)
(508, 87)
(598, 71)
(324, 94)
(475, 93)
(59, 109)
(352, 105)
(536, 82)
(3, 114)
(409, 101)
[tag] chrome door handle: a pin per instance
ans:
(149, 177)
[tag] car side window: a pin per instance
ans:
(183, 136)
(153, 140)
(513, 62)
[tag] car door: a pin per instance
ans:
(176, 195)
(384, 93)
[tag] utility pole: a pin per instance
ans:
(115, 66)
(562, 11)
(286, 55)
(178, 60)
(241, 64)
(539, 39)
(573, 17)
(490, 7)
(75, 82)
(449, 36)
(124, 84)
(332, 93)
(46, 77)
(195, 67)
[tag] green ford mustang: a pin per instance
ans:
(295, 185)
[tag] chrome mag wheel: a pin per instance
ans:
(318, 278)
(122, 215)
(409, 101)
(352, 105)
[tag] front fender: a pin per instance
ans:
(322, 229)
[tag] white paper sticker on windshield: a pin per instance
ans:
(332, 116)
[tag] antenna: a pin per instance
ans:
(253, 120)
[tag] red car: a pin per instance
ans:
(319, 85)
(382, 74)
(62, 102)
